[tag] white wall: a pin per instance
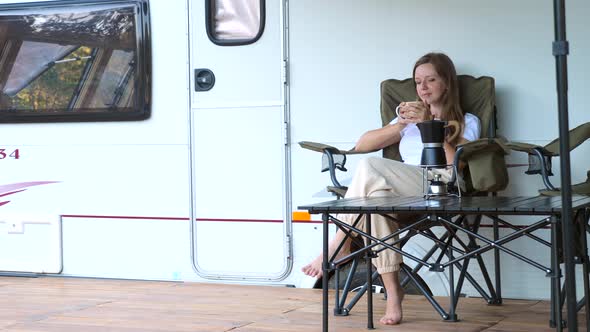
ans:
(343, 49)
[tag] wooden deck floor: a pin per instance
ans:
(87, 305)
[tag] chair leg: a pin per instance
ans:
(473, 227)
(411, 275)
(460, 280)
(341, 296)
(337, 306)
(343, 309)
(339, 309)
(464, 273)
(445, 245)
(492, 298)
(429, 254)
(425, 292)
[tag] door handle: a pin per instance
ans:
(204, 79)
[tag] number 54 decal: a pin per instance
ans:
(14, 154)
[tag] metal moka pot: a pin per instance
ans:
(432, 133)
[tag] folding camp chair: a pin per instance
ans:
(539, 162)
(478, 98)
(540, 159)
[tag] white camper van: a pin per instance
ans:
(152, 139)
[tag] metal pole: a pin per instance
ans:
(325, 270)
(560, 51)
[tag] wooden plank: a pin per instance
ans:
(75, 304)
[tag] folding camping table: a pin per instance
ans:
(441, 210)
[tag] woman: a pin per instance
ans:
(437, 88)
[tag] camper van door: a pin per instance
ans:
(238, 154)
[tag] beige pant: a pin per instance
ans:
(377, 177)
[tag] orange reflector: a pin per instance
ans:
(301, 216)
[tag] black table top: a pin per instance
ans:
(499, 205)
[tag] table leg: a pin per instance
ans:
(498, 299)
(585, 262)
(369, 276)
(555, 317)
(452, 315)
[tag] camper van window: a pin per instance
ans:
(74, 61)
(235, 22)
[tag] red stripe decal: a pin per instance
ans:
(120, 217)
(12, 192)
(233, 220)
(239, 220)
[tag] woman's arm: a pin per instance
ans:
(451, 149)
(378, 139)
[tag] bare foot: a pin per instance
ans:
(393, 309)
(314, 268)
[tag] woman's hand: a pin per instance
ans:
(413, 112)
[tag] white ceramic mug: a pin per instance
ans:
(405, 103)
(397, 111)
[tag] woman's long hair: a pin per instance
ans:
(445, 68)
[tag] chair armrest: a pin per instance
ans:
(332, 159)
(577, 136)
(472, 147)
(529, 148)
(539, 160)
(320, 147)
(487, 166)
